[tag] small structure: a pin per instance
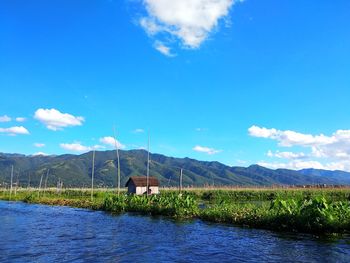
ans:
(138, 185)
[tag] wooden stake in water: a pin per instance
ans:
(11, 182)
(118, 161)
(92, 175)
(41, 180)
(58, 186)
(181, 180)
(29, 180)
(148, 162)
(47, 176)
(169, 179)
(17, 183)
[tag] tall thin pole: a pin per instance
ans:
(47, 176)
(17, 182)
(118, 161)
(181, 171)
(92, 175)
(29, 180)
(11, 182)
(41, 180)
(148, 161)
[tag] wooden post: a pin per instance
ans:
(58, 186)
(41, 180)
(181, 172)
(11, 182)
(47, 176)
(28, 181)
(118, 161)
(148, 160)
(17, 182)
(92, 175)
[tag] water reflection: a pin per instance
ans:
(59, 234)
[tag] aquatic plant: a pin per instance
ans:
(315, 211)
(315, 214)
(312, 215)
(173, 205)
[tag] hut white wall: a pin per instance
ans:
(141, 190)
(154, 189)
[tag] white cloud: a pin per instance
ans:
(336, 145)
(287, 155)
(138, 131)
(189, 21)
(206, 150)
(333, 149)
(5, 118)
(55, 120)
(14, 130)
(108, 140)
(201, 129)
(289, 138)
(256, 131)
(299, 165)
(163, 49)
(40, 154)
(78, 147)
(39, 145)
(21, 119)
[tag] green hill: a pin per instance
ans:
(75, 171)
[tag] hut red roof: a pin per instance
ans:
(141, 181)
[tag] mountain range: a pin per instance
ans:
(75, 171)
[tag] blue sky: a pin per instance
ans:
(237, 82)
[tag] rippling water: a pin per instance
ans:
(37, 233)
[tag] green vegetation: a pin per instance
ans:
(268, 194)
(170, 204)
(312, 210)
(313, 215)
(74, 198)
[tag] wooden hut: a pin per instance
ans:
(138, 185)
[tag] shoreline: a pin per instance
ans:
(323, 217)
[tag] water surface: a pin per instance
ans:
(38, 233)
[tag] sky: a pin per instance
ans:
(239, 82)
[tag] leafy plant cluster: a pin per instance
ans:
(172, 204)
(313, 215)
(229, 196)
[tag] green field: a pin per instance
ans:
(300, 210)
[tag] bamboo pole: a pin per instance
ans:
(118, 161)
(47, 176)
(11, 182)
(148, 162)
(181, 172)
(41, 180)
(92, 175)
(17, 182)
(28, 181)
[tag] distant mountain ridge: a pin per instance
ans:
(75, 171)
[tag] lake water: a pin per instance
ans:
(37, 233)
